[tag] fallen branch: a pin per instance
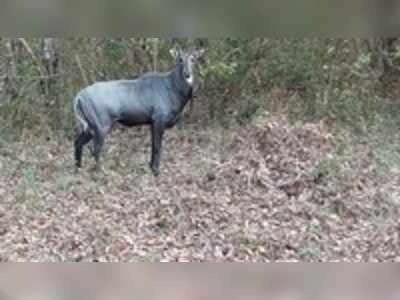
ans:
(33, 55)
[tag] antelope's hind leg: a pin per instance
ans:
(81, 140)
(98, 144)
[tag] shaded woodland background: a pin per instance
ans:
(290, 151)
(351, 82)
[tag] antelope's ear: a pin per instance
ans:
(175, 52)
(199, 53)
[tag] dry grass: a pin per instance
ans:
(266, 192)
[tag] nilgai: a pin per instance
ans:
(155, 99)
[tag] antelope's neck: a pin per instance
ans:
(182, 86)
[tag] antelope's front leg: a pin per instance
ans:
(157, 133)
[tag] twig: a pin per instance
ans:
(33, 77)
(84, 76)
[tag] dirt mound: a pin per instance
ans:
(266, 192)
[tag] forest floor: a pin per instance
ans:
(269, 191)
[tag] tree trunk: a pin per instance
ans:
(50, 63)
(156, 45)
(50, 57)
(8, 86)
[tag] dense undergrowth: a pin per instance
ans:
(340, 80)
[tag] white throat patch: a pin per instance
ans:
(190, 80)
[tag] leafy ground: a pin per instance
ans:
(269, 191)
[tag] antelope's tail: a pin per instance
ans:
(82, 124)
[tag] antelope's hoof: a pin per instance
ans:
(77, 169)
(155, 172)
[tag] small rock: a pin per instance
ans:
(3, 231)
(211, 177)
